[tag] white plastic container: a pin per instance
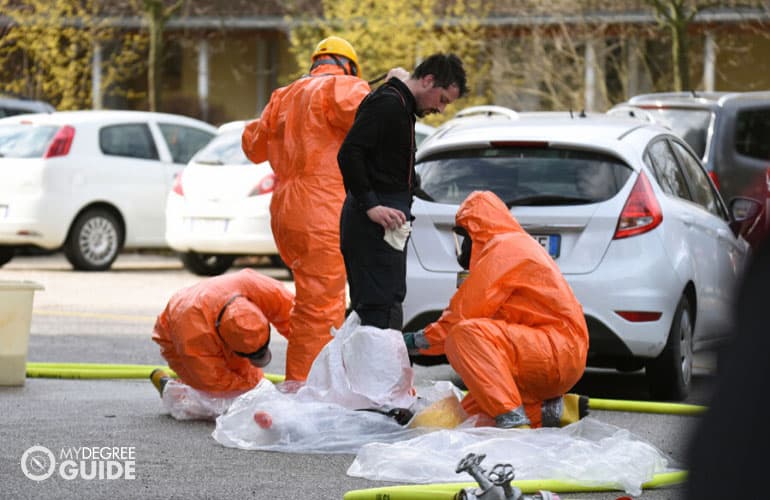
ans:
(15, 318)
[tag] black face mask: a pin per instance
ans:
(464, 252)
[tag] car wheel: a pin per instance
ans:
(94, 241)
(670, 374)
(206, 264)
(6, 254)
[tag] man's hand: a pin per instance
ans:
(399, 73)
(389, 218)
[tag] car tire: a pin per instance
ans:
(206, 264)
(6, 254)
(94, 241)
(670, 374)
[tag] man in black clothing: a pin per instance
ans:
(377, 164)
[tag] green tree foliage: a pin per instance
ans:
(46, 51)
(401, 33)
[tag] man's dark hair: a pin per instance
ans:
(447, 70)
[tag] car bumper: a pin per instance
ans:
(634, 275)
(238, 229)
(32, 220)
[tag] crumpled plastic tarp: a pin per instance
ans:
(587, 452)
(322, 417)
(302, 426)
(362, 367)
(185, 403)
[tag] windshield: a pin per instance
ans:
(25, 141)
(522, 176)
(692, 125)
(224, 149)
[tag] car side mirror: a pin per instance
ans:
(744, 215)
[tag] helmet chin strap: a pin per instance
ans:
(350, 69)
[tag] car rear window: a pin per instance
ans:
(692, 125)
(752, 133)
(132, 140)
(25, 140)
(225, 149)
(523, 175)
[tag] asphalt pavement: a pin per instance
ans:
(143, 453)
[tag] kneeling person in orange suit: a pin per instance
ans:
(513, 331)
(215, 335)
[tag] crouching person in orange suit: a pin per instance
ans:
(215, 335)
(513, 331)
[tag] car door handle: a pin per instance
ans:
(687, 220)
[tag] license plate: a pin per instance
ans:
(551, 243)
(209, 226)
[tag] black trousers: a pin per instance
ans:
(376, 271)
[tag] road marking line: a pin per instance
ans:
(77, 314)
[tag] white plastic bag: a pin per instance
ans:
(362, 367)
(185, 403)
(587, 452)
(267, 419)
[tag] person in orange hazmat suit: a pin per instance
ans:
(215, 335)
(299, 132)
(513, 330)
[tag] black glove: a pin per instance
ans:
(415, 341)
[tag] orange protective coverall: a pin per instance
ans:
(188, 339)
(513, 331)
(300, 132)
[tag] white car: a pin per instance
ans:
(625, 209)
(219, 207)
(91, 182)
(421, 132)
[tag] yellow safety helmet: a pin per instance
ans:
(335, 45)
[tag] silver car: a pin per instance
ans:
(626, 210)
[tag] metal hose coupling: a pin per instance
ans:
(495, 485)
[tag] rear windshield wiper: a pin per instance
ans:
(418, 192)
(548, 199)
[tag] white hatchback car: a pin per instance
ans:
(91, 182)
(626, 210)
(219, 207)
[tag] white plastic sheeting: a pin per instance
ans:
(302, 426)
(185, 403)
(365, 367)
(361, 367)
(587, 452)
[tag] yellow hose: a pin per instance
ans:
(448, 491)
(103, 371)
(645, 406)
(128, 371)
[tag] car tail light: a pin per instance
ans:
(177, 187)
(639, 316)
(715, 178)
(60, 145)
(641, 212)
(265, 185)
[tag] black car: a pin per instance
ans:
(730, 131)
